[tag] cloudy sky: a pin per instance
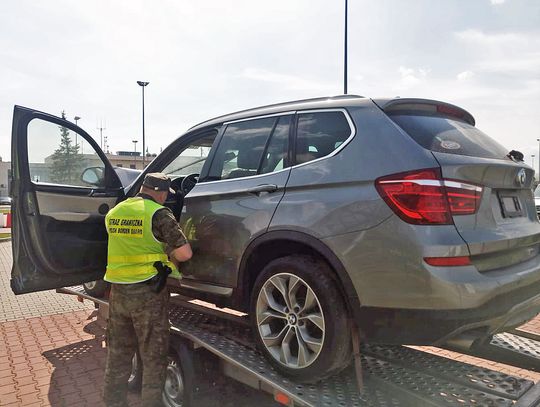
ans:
(206, 58)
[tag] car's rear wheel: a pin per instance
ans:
(96, 288)
(300, 319)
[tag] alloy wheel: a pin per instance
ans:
(290, 320)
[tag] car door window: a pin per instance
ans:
(241, 148)
(319, 134)
(60, 156)
(276, 155)
(191, 159)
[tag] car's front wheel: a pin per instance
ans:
(300, 319)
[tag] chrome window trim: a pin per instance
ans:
(260, 117)
(333, 153)
(239, 178)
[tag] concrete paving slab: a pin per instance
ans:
(14, 307)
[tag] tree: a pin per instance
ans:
(66, 160)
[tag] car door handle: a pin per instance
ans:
(263, 188)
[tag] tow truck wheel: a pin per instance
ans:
(299, 318)
(135, 379)
(96, 288)
(179, 381)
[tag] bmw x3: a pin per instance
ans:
(395, 216)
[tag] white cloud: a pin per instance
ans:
(497, 2)
(479, 37)
(507, 52)
(287, 81)
(411, 77)
(465, 75)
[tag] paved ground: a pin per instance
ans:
(14, 307)
(52, 352)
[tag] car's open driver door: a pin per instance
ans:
(63, 185)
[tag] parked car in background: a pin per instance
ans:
(396, 214)
(5, 200)
(537, 200)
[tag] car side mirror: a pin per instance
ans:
(94, 176)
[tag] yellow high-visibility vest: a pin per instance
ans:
(132, 248)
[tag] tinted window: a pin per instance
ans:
(319, 134)
(276, 157)
(450, 136)
(241, 149)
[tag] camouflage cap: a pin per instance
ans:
(158, 182)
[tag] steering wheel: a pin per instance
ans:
(188, 183)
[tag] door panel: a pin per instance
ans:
(59, 235)
(238, 197)
(74, 208)
(221, 218)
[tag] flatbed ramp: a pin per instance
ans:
(393, 375)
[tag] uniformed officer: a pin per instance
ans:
(141, 232)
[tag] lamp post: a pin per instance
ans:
(135, 152)
(538, 139)
(143, 85)
(345, 53)
(76, 118)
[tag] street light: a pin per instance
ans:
(538, 139)
(345, 52)
(143, 85)
(135, 152)
(76, 118)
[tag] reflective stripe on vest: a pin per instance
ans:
(132, 248)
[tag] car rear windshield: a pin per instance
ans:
(446, 135)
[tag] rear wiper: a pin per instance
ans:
(515, 155)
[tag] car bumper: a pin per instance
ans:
(435, 327)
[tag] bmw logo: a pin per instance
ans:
(521, 177)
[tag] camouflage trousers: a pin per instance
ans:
(138, 320)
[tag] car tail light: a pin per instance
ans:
(423, 197)
(448, 261)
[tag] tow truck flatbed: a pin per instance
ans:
(393, 375)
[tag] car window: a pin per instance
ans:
(58, 155)
(446, 135)
(191, 159)
(241, 149)
(319, 134)
(276, 155)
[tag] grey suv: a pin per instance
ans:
(398, 216)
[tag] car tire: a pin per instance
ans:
(96, 288)
(304, 333)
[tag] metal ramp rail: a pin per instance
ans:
(393, 375)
